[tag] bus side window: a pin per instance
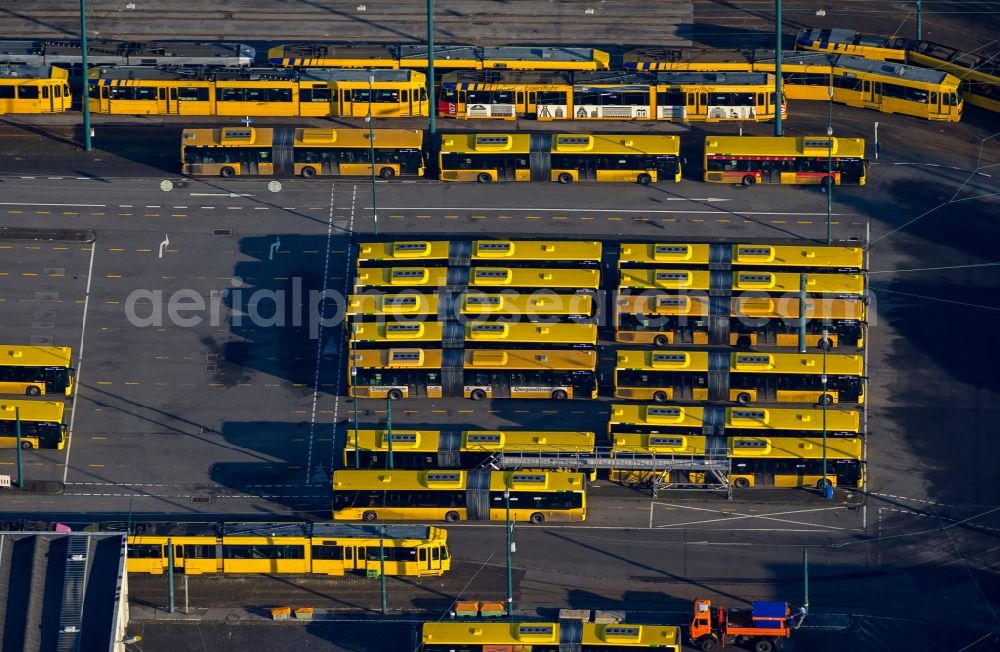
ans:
(531, 97)
(406, 96)
(161, 93)
(520, 97)
(436, 554)
(422, 555)
(347, 96)
(760, 99)
(703, 97)
(348, 553)
(173, 93)
(461, 97)
(934, 98)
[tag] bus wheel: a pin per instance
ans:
(825, 345)
(26, 445)
(484, 178)
(308, 172)
(741, 483)
(387, 173)
(743, 342)
(708, 644)
(369, 516)
(763, 645)
(660, 340)
(823, 483)
(537, 518)
(825, 399)
(644, 179)
(477, 394)
(451, 517)
(743, 398)
(660, 397)
(33, 391)
(565, 177)
(227, 172)
(395, 394)
(749, 180)
(559, 395)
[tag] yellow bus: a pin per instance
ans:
(429, 278)
(791, 422)
(468, 449)
(756, 281)
(477, 374)
(381, 306)
(396, 333)
(434, 253)
(330, 549)
(664, 319)
(750, 160)
(564, 158)
(654, 447)
(749, 377)
(504, 334)
(651, 254)
(308, 55)
(34, 89)
(288, 151)
(772, 256)
(454, 495)
(579, 307)
(541, 278)
(977, 69)
(560, 253)
(274, 92)
(796, 462)
(41, 424)
(36, 370)
(498, 636)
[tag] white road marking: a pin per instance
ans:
(593, 210)
(734, 516)
(79, 361)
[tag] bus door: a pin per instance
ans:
(248, 161)
(507, 169)
(587, 167)
(354, 558)
(872, 94)
(435, 558)
(763, 475)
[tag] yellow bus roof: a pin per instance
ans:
(788, 308)
(32, 410)
(790, 146)
(657, 253)
(536, 250)
(670, 279)
(658, 443)
(557, 360)
(681, 416)
(35, 356)
(615, 144)
(227, 137)
(663, 360)
(401, 277)
(474, 440)
(396, 331)
(810, 448)
(472, 143)
(453, 479)
(835, 364)
(535, 277)
(765, 281)
(531, 332)
(662, 304)
(524, 303)
(828, 257)
(391, 303)
(396, 358)
(793, 419)
(484, 634)
(359, 138)
(403, 251)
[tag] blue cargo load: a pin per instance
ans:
(769, 610)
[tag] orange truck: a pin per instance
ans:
(763, 627)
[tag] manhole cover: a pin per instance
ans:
(201, 499)
(222, 231)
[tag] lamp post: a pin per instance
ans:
(508, 526)
(919, 20)
(371, 142)
(777, 68)
(20, 464)
(829, 168)
(381, 568)
(354, 388)
(85, 93)
(388, 429)
(827, 489)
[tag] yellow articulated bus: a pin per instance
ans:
(288, 151)
(547, 637)
(34, 89)
(271, 92)
(469, 449)
(796, 462)
(540, 278)
(750, 160)
(564, 158)
(41, 424)
(735, 421)
(36, 370)
(453, 495)
(850, 80)
(398, 373)
(331, 549)
(757, 281)
(428, 278)
(307, 55)
(749, 377)
(977, 69)
(770, 257)
(561, 253)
